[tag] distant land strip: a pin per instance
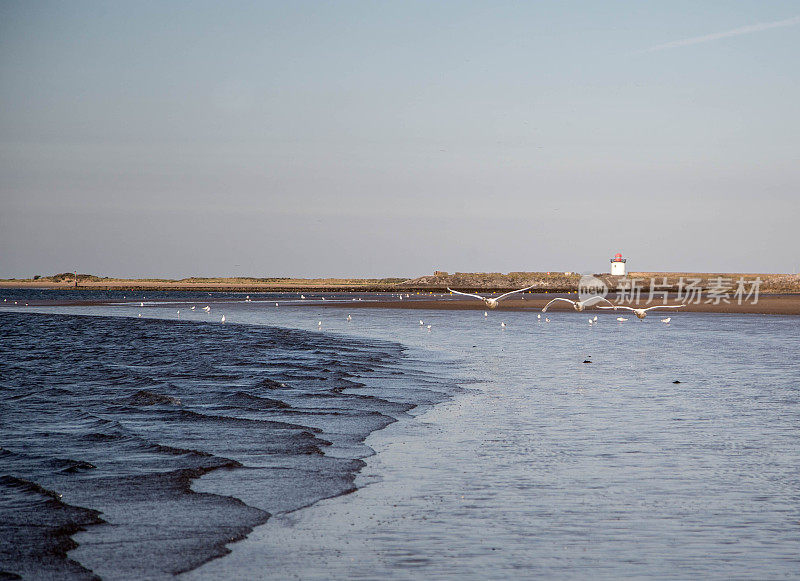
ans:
(549, 282)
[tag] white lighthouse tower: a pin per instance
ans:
(618, 265)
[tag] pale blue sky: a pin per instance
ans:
(374, 139)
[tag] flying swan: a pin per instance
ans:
(642, 313)
(490, 302)
(581, 305)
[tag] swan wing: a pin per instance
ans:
(596, 299)
(544, 310)
(664, 307)
(514, 292)
(465, 294)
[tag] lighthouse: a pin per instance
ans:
(618, 265)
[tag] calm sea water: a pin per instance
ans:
(544, 467)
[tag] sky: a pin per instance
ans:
(371, 139)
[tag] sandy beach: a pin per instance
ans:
(778, 294)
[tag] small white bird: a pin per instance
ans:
(539, 317)
(207, 309)
(191, 308)
(591, 321)
(429, 327)
(179, 313)
(579, 305)
(141, 304)
(276, 304)
(503, 325)
(490, 302)
(420, 322)
(621, 319)
(546, 320)
(323, 298)
(349, 318)
(302, 296)
(319, 323)
(667, 320)
(595, 318)
(223, 319)
(140, 315)
(642, 313)
(485, 314)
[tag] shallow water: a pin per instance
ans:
(107, 422)
(549, 466)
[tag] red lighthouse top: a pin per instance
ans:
(618, 258)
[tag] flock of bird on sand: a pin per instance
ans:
(492, 303)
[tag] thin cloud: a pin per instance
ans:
(717, 35)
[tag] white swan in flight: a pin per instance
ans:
(642, 313)
(581, 305)
(490, 302)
